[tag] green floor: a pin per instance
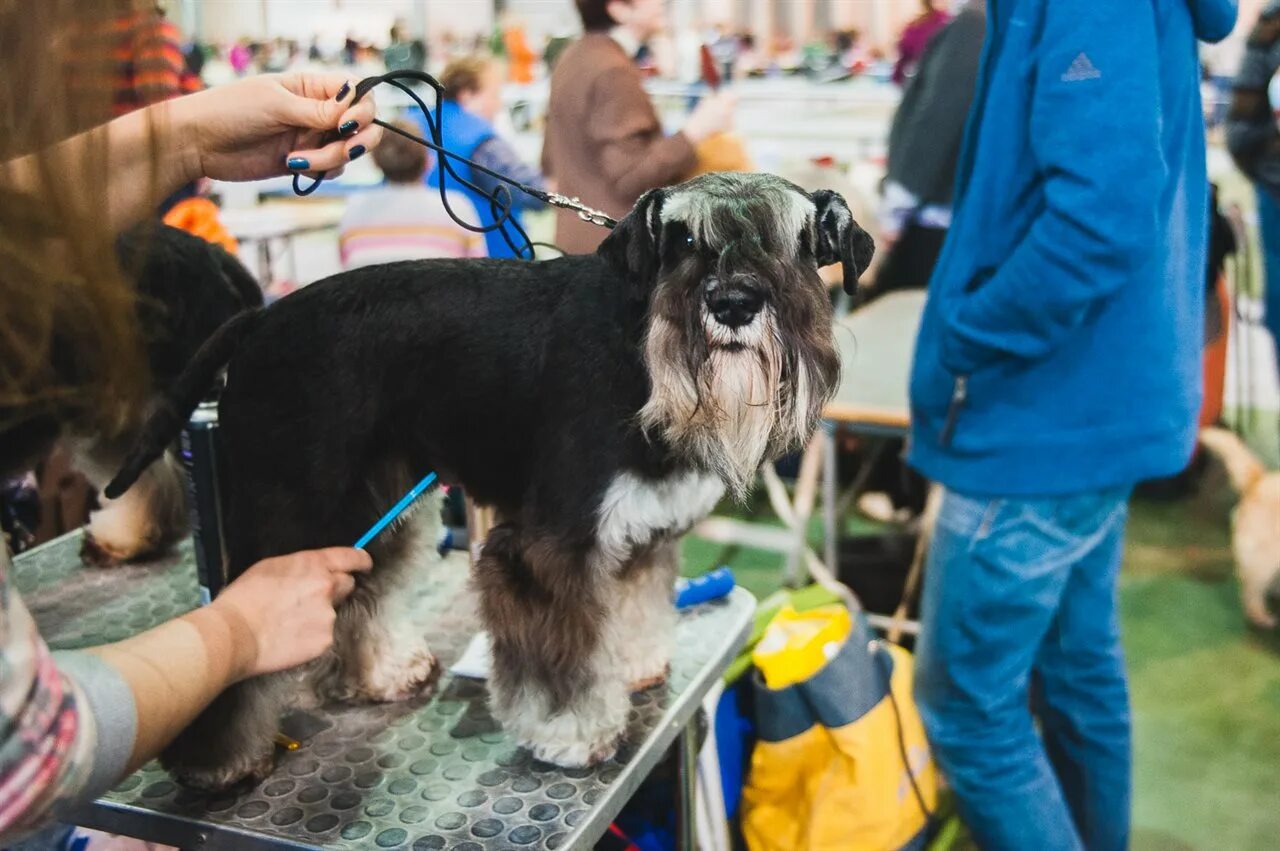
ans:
(1206, 689)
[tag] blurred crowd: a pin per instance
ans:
(705, 52)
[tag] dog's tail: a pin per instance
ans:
(1242, 465)
(182, 398)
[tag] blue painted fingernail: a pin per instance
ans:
(344, 91)
(346, 128)
(356, 150)
(298, 163)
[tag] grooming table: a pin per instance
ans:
(432, 773)
(876, 344)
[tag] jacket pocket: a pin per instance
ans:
(959, 397)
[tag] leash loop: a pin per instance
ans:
(501, 201)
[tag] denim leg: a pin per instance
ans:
(1269, 236)
(996, 576)
(1080, 690)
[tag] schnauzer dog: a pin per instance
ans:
(186, 289)
(602, 404)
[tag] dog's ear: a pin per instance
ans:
(839, 239)
(631, 248)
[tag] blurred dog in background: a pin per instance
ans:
(1255, 525)
(186, 288)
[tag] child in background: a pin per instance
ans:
(403, 219)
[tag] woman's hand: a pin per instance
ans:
(273, 124)
(286, 606)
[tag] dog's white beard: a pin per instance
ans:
(743, 413)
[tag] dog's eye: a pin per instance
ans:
(688, 241)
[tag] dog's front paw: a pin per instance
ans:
(572, 754)
(652, 680)
(245, 769)
(571, 739)
(97, 553)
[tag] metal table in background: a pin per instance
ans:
(284, 221)
(436, 772)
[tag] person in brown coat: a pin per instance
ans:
(604, 143)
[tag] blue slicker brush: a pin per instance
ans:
(396, 510)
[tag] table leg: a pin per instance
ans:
(806, 491)
(830, 515)
(686, 793)
(291, 245)
(264, 265)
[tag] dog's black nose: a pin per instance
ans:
(734, 304)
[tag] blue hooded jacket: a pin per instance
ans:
(1059, 350)
(462, 132)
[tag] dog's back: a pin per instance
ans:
(466, 360)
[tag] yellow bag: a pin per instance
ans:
(828, 773)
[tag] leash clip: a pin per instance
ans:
(587, 214)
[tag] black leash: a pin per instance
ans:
(500, 200)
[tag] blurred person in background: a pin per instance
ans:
(137, 56)
(240, 55)
(924, 147)
(519, 55)
(604, 142)
(404, 219)
(1058, 363)
(404, 53)
(71, 353)
(472, 102)
(915, 38)
(1254, 141)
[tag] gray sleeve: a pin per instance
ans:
(928, 128)
(114, 714)
(1252, 137)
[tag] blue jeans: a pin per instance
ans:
(1019, 612)
(1269, 235)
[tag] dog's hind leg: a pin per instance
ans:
(232, 741)
(380, 653)
(643, 618)
(551, 685)
(145, 520)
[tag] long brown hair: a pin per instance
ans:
(69, 344)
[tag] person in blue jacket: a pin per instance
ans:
(1057, 364)
(472, 100)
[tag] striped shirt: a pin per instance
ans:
(405, 222)
(132, 61)
(67, 721)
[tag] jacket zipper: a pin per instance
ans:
(959, 396)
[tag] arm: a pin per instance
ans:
(241, 131)
(1096, 143)
(496, 154)
(622, 124)
(77, 724)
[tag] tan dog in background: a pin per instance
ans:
(1255, 526)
